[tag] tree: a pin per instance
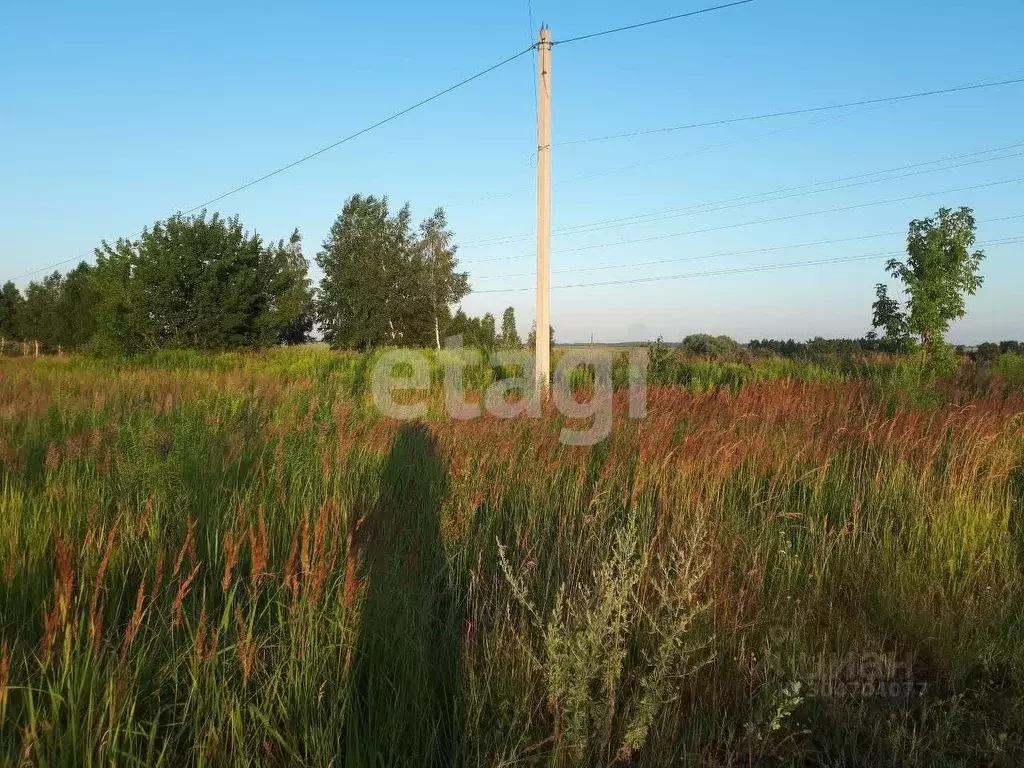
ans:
(11, 306)
(476, 332)
(706, 345)
(509, 333)
(39, 317)
(986, 352)
(940, 271)
(368, 295)
(531, 339)
(292, 301)
(888, 315)
(76, 307)
(444, 285)
(191, 282)
(123, 323)
(488, 331)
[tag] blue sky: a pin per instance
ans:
(117, 115)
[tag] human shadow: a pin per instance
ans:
(406, 673)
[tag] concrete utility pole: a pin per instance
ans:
(543, 336)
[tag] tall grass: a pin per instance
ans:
(232, 560)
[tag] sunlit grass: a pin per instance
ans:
(231, 559)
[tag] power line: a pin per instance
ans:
(720, 254)
(668, 213)
(653, 21)
(369, 128)
(744, 270)
(791, 112)
(318, 152)
(763, 221)
(657, 161)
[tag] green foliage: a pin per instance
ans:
(444, 284)
(593, 629)
(940, 271)
(199, 283)
(11, 308)
(509, 332)
(986, 352)
(382, 285)
(76, 307)
(531, 338)
(1010, 366)
(357, 593)
(660, 362)
(706, 345)
(477, 332)
(292, 311)
(39, 316)
(889, 315)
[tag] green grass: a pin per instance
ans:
(232, 560)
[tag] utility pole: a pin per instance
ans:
(543, 336)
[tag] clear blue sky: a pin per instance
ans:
(118, 115)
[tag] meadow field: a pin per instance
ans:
(234, 560)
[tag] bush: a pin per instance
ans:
(706, 345)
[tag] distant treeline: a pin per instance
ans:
(821, 346)
(205, 282)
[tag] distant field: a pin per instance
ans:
(233, 560)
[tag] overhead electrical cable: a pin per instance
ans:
(743, 270)
(318, 152)
(790, 112)
(665, 213)
(754, 222)
(720, 254)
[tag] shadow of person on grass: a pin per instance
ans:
(406, 674)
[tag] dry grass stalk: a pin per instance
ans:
(5, 679)
(231, 552)
(201, 633)
(188, 546)
(158, 576)
(259, 550)
(291, 576)
(95, 613)
(246, 649)
(136, 620)
(182, 593)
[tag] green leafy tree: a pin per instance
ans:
(372, 290)
(123, 324)
(476, 332)
(444, 284)
(509, 333)
(888, 315)
(940, 271)
(76, 307)
(706, 345)
(11, 307)
(986, 352)
(291, 314)
(40, 320)
(190, 282)
(531, 338)
(488, 331)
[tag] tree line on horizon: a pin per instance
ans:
(205, 282)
